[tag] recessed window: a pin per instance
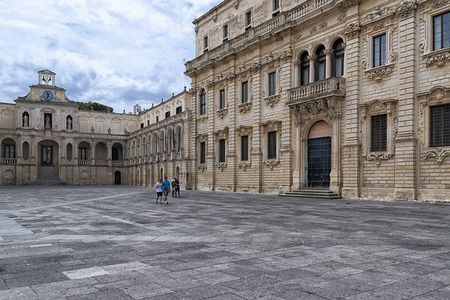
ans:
(47, 121)
(244, 147)
(9, 151)
(202, 102)
(225, 32)
(378, 133)
(304, 69)
(167, 115)
(244, 92)
(142, 125)
(148, 122)
(222, 150)
(205, 43)
(248, 19)
(203, 152)
(222, 99)
(178, 110)
(272, 83)
(441, 31)
(379, 50)
(276, 5)
(338, 58)
(440, 125)
(320, 71)
(272, 145)
(157, 118)
(82, 153)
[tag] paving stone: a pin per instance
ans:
(217, 245)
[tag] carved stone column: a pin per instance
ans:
(329, 53)
(312, 68)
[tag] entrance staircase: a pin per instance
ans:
(310, 193)
(48, 176)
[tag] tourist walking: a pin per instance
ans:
(166, 189)
(177, 187)
(159, 191)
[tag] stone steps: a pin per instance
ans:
(312, 193)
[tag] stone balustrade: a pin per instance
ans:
(8, 161)
(318, 89)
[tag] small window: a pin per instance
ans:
(157, 118)
(304, 69)
(203, 152)
(272, 83)
(378, 133)
(379, 50)
(148, 122)
(222, 99)
(142, 125)
(221, 150)
(167, 115)
(440, 125)
(244, 147)
(205, 43)
(441, 31)
(276, 5)
(82, 153)
(202, 102)
(272, 145)
(248, 19)
(338, 58)
(225, 32)
(179, 110)
(244, 92)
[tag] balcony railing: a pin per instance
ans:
(318, 89)
(8, 161)
(84, 162)
(118, 163)
(101, 163)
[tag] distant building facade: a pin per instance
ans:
(347, 95)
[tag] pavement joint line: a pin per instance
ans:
(70, 203)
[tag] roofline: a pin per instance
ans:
(196, 20)
(47, 70)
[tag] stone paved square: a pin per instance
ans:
(62, 242)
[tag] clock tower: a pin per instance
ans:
(46, 77)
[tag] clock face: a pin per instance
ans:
(47, 95)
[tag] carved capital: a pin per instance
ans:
(352, 30)
(405, 8)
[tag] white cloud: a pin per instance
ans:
(116, 52)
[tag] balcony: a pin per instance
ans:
(333, 87)
(84, 162)
(118, 163)
(101, 163)
(8, 161)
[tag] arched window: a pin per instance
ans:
(202, 102)
(25, 119)
(338, 58)
(25, 150)
(8, 148)
(69, 152)
(304, 69)
(69, 125)
(320, 64)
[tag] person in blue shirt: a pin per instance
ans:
(166, 189)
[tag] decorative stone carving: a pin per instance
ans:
(222, 113)
(437, 155)
(438, 58)
(352, 30)
(221, 166)
(345, 4)
(244, 165)
(202, 167)
(245, 130)
(378, 157)
(439, 3)
(271, 163)
(405, 8)
(379, 73)
(202, 138)
(272, 126)
(272, 100)
(245, 107)
(221, 134)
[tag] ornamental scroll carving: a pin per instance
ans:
(437, 155)
(328, 108)
(221, 166)
(438, 58)
(202, 138)
(271, 163)
(245, 107)
(272, 100)
(378, 157)
(202, 167)
(221, 134)
(244, 165)
(379, 73)
(352, 30)
(222, 113)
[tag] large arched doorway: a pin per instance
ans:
(319, 155)
(48, 160)
(117, 178)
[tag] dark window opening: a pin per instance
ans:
(167, 115)
(304, 69)
(178, 110)
(272, 83)
(440, 125)
(244, 92)
(379, 50)
(320, 71)
(202, 152)
(221, 150)
(272, 145)
(378, 133)
(338, 58)
(441, 31)
(221, 99)
(244, 147)
(202, 103)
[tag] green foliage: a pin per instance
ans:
(94, 106)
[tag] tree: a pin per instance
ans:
(94, 106)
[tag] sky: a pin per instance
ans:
(116, 52)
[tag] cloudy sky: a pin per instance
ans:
(117, 52)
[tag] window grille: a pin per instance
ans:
(244, 147)
(378, 133)
(221, 150)
(272, 84)
(272, 145)
(202, 152)
(440, 125)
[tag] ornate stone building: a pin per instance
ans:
(46, 139)
(350, 95)
(347, 95)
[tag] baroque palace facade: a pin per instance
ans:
(347, 95)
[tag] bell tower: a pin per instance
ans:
(46, 77)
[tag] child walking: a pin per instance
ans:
(159, 191)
